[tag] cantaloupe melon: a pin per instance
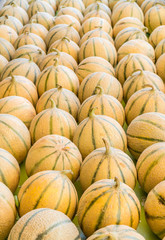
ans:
(72, 11)
(12, 22)
(43, 18)
(39, 6)
(78, 4)
(68, 19)
(160, 49)
(157, 35)
(35, 28)
(21, 3)
(6, 49)
(94, 6)
(8, 33)
(160, 67)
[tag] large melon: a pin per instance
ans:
(43, 18)
(157, 35)
(78, 4)
(39, 6)
(54, 152)
(95, 6)
(35, 28)
(160, 49)
(12, 22)
(99, 206)
(49, 189)
(72, 11)
(6, 49)
(21, 3)
(88, 2)
(97, 13)
(69, 20)
(8, 33)
(49, 223)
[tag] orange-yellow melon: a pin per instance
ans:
(154, 17)
(154, 209)
(136, 46)
(39, 6)
(3, 63)
(98, 32)
(35, 28)
(144, 131)
(19, 107)
(95, 22)
(147, 4)
(108, 82)
(132, 62)
(128, 34)
(93, 64)
(125, 23)
(23, 66)
(66, 45)
(95, 6)
(78, 4)
(19, 86)
(97, 13)
(98, 206)
(117, 232)
(52, 3)
(14, 136)
(14, 10)
(28, 51)
(88, 134)
(150, 166)
(138, 80)
(54, 152)
(63, 98)
(8, 33)
(127, 9)
(157, 35)
(60, 31)
(27, 38)
(88, 2)
(68, 19)
(6, 49)
(12, 22)
(160, 49)
(52, 121)
(8, 211)
(57, 224)
(21, 3)
(139, 2)
(148, 99)
(10, 170)
(43, 18)
(55, 75)
(72, 11)
(48, 189)
(98, 47)
(106, 163)
(160, 67)
(104, 104)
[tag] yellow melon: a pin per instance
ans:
(43, 18)
(3, 63)
(108, 82)
(68, 19)
(54, 152)
(88, 2)
(6, 49)
(21, 3)
(40, 6)
(12, 22)
(95, 6)
(147, 4)
(8, 211)
(49, 189)
(10, 170)
(157, 35)
(78, 4)
(72, 11)
(98, 206)
(35, 28)
(8, 33)
(88, 135)
(160, 67)
(160, 49)
(107, 163)
(63, 98)
(104, 104)
(52, 223)
(97, 13)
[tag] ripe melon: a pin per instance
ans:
(8, 33)
(91, 65)
(98, 206)
(160, 49)
(52, 121)
(40, 6)
(54, 152)
(88, 2)
(43, 18)
(63, 98)
(88, 134)
(147, 4)
(28, 51)
(12, 22)
(72, 11)
(104, 104)
(150, 166)
(21, 3)
(106, 163)
(154, 209)
(3, 63)
(48, 223)
(14, 136)
(97, 13)
(62, 57)
(6, 49)
(95, 6)
(109, 83)
(138, 80)
(132, 62)
(55, 75)
(35, 28)
(19, 86)
(78, 4)
(145, 130)
(19, 107)
(157, 35)
(116, 232)
(160, 67)
(68, 19)
(10, 170)
(49, 189)
(8, 211)
(66, 45)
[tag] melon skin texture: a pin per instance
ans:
(7, 211)
(72, 12)
(6, 49)
(50, 189)
(44, 222)
(145, 130)
(98, 206)
(116, 232)
(160, 67)
(12, 22)
(155, 210)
